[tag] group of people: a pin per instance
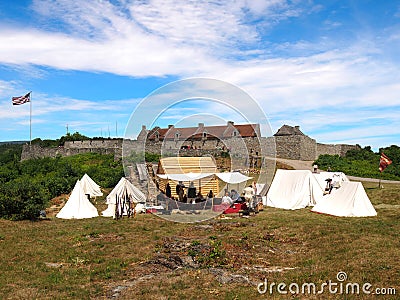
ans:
(192, 196)
(249, 194)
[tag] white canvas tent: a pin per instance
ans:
(90, 187)
(350, 200)
(293, 189)
(124, 189)
(78, 205)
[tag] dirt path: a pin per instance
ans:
(354, 178)
(297, 164)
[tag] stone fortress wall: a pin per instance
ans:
(289, 141)
(73, 148)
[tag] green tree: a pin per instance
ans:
(72, 137)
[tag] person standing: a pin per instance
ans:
(168, 190)
(179, 186)
(180, 193)
(248, 195)
(191, 193)
(254, 187)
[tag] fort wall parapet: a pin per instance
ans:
(73, 148)
(289, 142)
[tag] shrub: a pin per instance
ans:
(22, 199)
(26, 187)
(363, 163)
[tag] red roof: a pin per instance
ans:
(221, 131)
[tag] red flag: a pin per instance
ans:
(21, 99)
(384, 162)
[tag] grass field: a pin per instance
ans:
(150, 258)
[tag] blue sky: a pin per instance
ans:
(331, 67)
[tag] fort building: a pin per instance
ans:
(239, 140)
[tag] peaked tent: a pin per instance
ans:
(350, 200)
(293, 189)
(78, 205)
(90, 187)
(123, 189)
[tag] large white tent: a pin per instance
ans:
(123, 190)
(78, 205)
(293, 189)
(350, 200)
(90, 187)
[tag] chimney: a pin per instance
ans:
(201, 125)
(230, 123)
(143, 127)
(297, 127)
(170, 126)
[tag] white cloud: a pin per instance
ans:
(7, 89)
(139, 38)
(192, 22)
(50, 114)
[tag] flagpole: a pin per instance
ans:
(30, 119)
(380, 178)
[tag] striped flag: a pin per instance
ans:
(21, 99)
(384, 162)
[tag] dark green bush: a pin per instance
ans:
(26, 187)
(22, 198)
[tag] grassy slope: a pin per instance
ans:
(99, 254)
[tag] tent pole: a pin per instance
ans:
(116, 208)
